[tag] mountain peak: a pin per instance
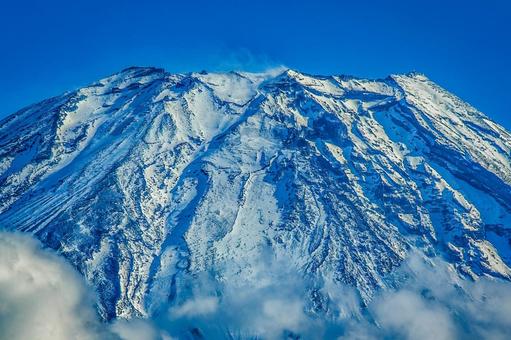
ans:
(136, 69)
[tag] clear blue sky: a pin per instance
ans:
(48, 47)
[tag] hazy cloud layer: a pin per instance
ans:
(42, 297)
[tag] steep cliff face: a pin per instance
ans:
(147, 177)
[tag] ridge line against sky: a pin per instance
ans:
(50, 47)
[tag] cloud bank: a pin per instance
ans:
(43, 297)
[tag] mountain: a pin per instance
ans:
(145, 178)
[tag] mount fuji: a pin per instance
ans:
(146, 179)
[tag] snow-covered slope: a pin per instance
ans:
(147, 177)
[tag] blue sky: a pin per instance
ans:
(48, 47)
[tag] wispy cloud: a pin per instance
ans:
(243, 59)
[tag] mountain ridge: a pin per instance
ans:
(145, 178)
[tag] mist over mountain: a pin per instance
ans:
(280, 203)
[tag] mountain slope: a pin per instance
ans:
(146, 178)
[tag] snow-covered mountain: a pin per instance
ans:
(145, 178)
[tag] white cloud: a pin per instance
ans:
(435, 303)
(408, 315)
(243, 59)
(138, 329)
(268, 305)
(41, 296)
(197, 306)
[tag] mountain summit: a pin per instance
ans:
(146, 178)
